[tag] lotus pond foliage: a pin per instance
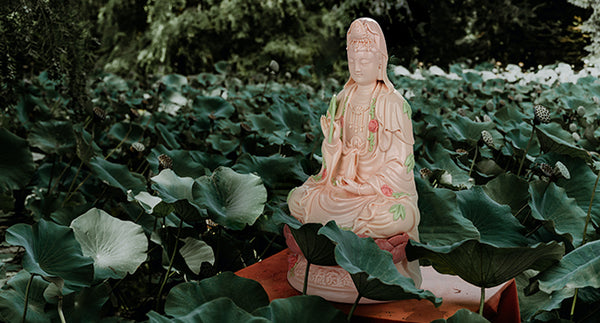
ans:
(141, 209)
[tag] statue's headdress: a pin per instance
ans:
(366, 34)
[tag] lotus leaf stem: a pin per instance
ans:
(73, 182)
(473, 162)
(27, 298)
(354, 307)
(482, 301)
(60, 177)
(526, 150)
(164, 282)
(60, 310)
(305, 285)
(120, 143)
(584, 240)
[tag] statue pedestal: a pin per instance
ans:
(501, 305)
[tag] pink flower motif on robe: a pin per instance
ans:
(324, 172)
(342, 121)
(373, 125)
(386, 190)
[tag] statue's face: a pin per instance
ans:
(363, 66)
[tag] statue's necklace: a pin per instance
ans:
(357, 122)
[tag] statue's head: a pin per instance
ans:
(367, 53)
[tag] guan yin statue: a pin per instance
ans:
(366, 183)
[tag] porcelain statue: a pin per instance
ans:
(366, 183)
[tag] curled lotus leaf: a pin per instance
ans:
(372, 270)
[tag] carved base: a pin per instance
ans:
(332, 283)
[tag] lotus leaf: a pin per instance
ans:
(276, 171)
(12, 299)
(442, 159)
(16, 161)
(220, 310)
(316, 248)
(551, 205)
(117, 175)
(579, 268)
(225, 145)
(441, 230)
(508, 189)
(117, 247)
(167, 136)
(554, 139)
(463, 316)
(51, 250)
(484, 265)
(151, 204)
(172, 188)
(174, 80)
(212, 108)
(126, 132)
(52, 137)
(372, 270)
(532, 305)
(463, 129)
(184, 162)
(195, 252)
(247, 294)
(294, 309)
(233, 200)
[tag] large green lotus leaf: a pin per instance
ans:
(578, 269)
(277, 171)
(212, 108)
(245, 293)
(463, 316)
(287, 116)
(174, 80)
(118, 247)
(441, 221)
(51, 250)
(195, 252)
(222, 143)
(184, 164)
(16, 161)
(126, 132)
(221, 310)
(210, 161)
(464, 129)
(559, 213)
(486, 265)
(581, 183)
(172, 188)
(117, 175)
(372, 269)
(508, 189)
(261, 123)
(294, 309)
(509, 118)
(554, 139)
(151, 204)
(12, 299)
(52, 137)
(233, 200)
(532, 305)
(167, 136)
(495, 222)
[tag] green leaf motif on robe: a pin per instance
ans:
(409, 163)
(407, 109)
(398, 211)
